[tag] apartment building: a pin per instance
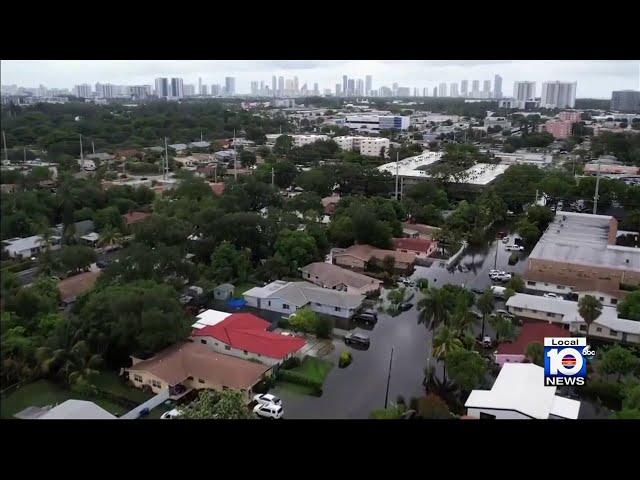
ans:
(367, 146)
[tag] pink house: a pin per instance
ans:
(514, 352)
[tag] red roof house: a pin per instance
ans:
(245, 335)
(134, 217)
(420, 246)
(514, 352)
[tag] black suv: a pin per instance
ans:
(357, 339)
(369, 316)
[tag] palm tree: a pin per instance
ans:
(446, 341)
(433, 308)
(535, 353)
(74, 366)
(462, 319)
(485, 305)
(503, 326)
(109, 236)
(590, 309)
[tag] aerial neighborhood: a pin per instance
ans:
(173, 251)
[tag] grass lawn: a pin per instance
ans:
(44, 392)
(243, 287)
(314, 368)
(112, 383)
(294, 388)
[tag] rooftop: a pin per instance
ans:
(77, 410)
(178, 362)
(134, 217)
(27, 243)
(520, 387)
(332, 275)
(72, 287)
(416, 244)
(302, 293)
(366, 252)
(584, 239)
(531, 332)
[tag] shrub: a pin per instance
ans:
(291, 362)
(283, 323)
(324, 327)
(610, 393)
(422, 283)
(300, 379)
(345, 359)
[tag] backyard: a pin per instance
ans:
(306, 378)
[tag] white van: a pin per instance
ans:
(498, 291)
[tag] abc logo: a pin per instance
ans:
(565, 361)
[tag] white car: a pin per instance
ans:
(494, 272)
(502, 277)
(267, 399)
(171, 414)
(514, 248)
(268, 411)
(550, 295)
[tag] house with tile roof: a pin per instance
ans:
(192, 366)
(359, 257)
(327, 275)
(288, 297)
(532, 332)
(421, 247)
(244, 335)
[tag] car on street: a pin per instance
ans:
(368, 316)
(102, 264)
(462, 268)
(498, 291)
(505, 240)
(143, 413)
(405, 306)
(550, 295)
(477, 290)
(505, 313)
(171, 414)
(476, 314)
(493, 272)
(514, 248)
(356, 338)
(502, 277)
(270, 411)
(267, 399)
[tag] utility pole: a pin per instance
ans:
(397, 172)
(93, 147)
(495, 260)
(386, 397)
(595, 197)
(24, 155)
(166, 160)
(235, 158)
(81, 153)
(4, 141)
(273, 176)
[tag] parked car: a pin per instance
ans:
(514, 248)
(367, 316)
(477, 290)
(505, 240)
(502, 277)
(270, 411)
(498, 291)
(357, 339)
(505, 313)
(404, 306)
(493, 271)
(267, 399)
(171, 414)
(550, 295)
(462, 268)
(102, 264)
(143, 413)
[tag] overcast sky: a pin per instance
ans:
(596, 79)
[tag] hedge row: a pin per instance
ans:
(300, 379)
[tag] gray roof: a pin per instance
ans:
(582, 238)
(31, 413)
(27, 243)
(77, 410)
(225, 286)
(331, 275)
(301, 293)
(83, 227)
(100, 156)
(200, 144)
(178, 146)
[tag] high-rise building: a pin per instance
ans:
(316, 90)
(523, 91)
(345, 85)
(280, 86)
(435, 91)
(453, 89)
(261, 91)
(338, 90)
(82, 91)
(177, 88)
(625, 101)
(558, 94)
(351, 87)
(359, 87)
(254, 88)
(475, 89)
(274, 85)
(442, 90)
(295, 85)
(486, 89)
(205, 90)
(394, 89)
(497, 87)
(199, 85)
(215, 90)
(425, 92)
(367, 85)
(138, 91)
(105, 90)
(189, 90)
(229, 86)
(162, 87)
(464, 88)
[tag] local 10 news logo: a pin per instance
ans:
(565, 361)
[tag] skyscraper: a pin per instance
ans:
(189, 90)
(435, 91)
(338, 90)
(316, 90)
(394, 90)
(497, 87)
(83, 90)
(215, 90)
(625, 101)
(453, 90)
(475, 89)
(523, 91)
(486, 89)
(274, 86)
(199, 85)
(261, 91)
(424, 92)
(345, 85)
(351, 87)
(254, 88)
(230, 85)
(280, 86)
(442, 90)
(464, 88)
(295, 86)
(359, 87)
(205, 90)
(367, 85)
(162, 87)
(558, 94)
(176, 88)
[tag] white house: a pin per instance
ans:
(519, 393)
(287, 297)
(24, 247)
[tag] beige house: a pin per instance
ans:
(327, 275)
(357, 257)
(191, 366)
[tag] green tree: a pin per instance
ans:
(629, 308)
(283, 145)
(528, 231)
(618, 360)
(76, 257)
(229, 264)
(503, 327)
(467, 368)
(431, 406)
(389, 264)
(590, 309)
(295, 249)
(224, 405)
(462, 319)
(109, 216)
(535, 353)
(304, 320)
(445, 342)
(432, 308)
(485, 303)
(516, 284)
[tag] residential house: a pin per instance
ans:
(91, 239)
(421, 247)
(519, 393)
(287, 297)
(72, 287)
(419, 230)
(192, 366)
(245, 335)
(67, 410)
(358, 257)
(134, 217)
(532, 332)
(223, 291)
(24, 247)
(330, 203)
(103, 157)
(608, 326)
(217, 188)
(327, 275)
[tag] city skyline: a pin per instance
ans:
(596, 79)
